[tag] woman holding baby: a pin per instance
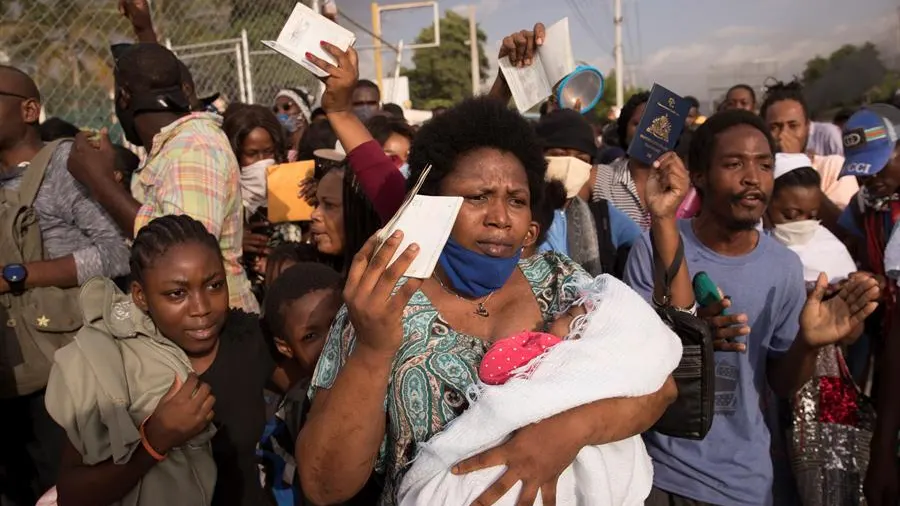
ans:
(406, 357)
(396, 368)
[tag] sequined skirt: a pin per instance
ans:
(832, 429)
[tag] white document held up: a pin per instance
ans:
(303, 33)
(426, 221)
(552, 62)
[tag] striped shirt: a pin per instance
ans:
(614, 183)
(192, 170)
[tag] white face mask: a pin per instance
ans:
(572, 172)
(796, 233)
(253, 185)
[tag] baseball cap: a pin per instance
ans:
(869, 138)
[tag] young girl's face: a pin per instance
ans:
(794, 203)
(185, 293)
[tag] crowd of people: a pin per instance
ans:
(164, 343)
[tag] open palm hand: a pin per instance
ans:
(825, 322)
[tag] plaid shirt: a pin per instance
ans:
(191, 170)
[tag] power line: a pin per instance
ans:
(640, 37)
(630, 34)
(367, 31)
(585, 8)
(582, 20)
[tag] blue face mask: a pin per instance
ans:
(404, 169)
(473, 274)
(288, 122)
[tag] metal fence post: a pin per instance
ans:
(239, 59)
(248, 67)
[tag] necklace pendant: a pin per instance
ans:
(482, 311)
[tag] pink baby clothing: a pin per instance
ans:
(511, 353)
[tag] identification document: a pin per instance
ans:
(552, 62)
(425, 220)
(303, 33)
(660, 127)
(283, 188)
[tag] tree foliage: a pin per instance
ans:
(608, 101)
(848, 77)
(443, 75)
(64, 46)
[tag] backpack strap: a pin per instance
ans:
(34, 174)
(607, 250)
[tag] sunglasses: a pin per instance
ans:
(281, 108)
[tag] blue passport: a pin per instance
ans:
(660, 126)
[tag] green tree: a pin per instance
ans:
(443, 75)
(819, 66)
(848, 77)
(608, 101)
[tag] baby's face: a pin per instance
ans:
(560, 326)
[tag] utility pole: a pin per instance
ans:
(473, 51)
(617, 49)
(376, 28)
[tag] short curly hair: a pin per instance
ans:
(704, 140)
(475, 123)
(780, 92)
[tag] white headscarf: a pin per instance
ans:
(297, 99)
(787, 162)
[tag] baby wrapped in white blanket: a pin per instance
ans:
(619, 348)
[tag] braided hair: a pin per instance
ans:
(164, 233)
(361, 221)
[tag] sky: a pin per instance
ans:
(693, 47)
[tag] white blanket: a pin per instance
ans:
(624, 350)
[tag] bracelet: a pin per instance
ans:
(146, 444)
(689, 310)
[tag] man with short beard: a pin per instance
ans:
(787, 115)
(769, 335)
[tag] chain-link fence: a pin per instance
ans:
(64, 46)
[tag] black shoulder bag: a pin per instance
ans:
(691, 415)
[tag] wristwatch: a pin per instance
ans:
(15, 276)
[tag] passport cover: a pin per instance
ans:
(660, 126)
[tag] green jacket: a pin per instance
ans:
(104, 384)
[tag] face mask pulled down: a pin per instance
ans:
(475, 275)
(796, 233)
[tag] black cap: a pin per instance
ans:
(567, 129)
